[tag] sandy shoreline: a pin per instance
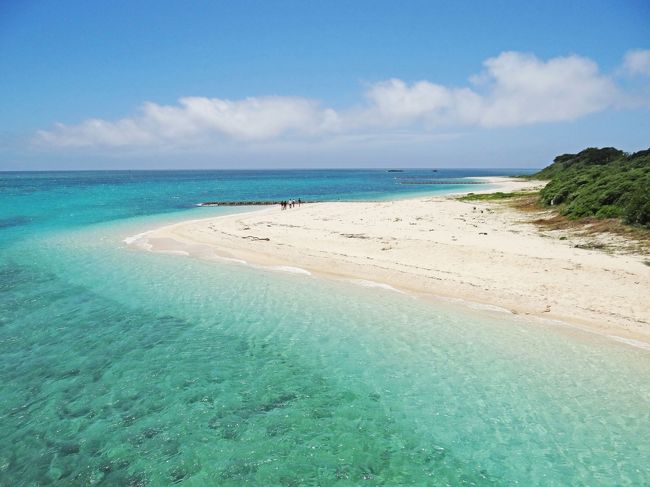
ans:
(480, 252)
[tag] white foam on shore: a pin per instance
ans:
(173, 252)
(292, 270)
(555, 322)
(488, 307)
(134, 238)
(478, 306)
(232, 259)
(631, 341)
(140, 240)
(373, 284)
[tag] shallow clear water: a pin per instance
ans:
(120, 367)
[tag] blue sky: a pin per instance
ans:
(159, 84)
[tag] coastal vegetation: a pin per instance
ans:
(499, 195)
(590, 194)
(592, 185)
(601, 183)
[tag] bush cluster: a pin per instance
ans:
(601, 183)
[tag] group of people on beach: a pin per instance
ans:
(290, 203)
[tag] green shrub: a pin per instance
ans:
(609, 211)
(604, 183)
(637, 209)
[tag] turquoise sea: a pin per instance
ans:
(128, 368)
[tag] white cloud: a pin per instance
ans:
(637, 62)
(513, 89)
(394, 102)
(199, 119)
(526, 90)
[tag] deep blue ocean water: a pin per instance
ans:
(120, 367)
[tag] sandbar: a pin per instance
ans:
(478, 252)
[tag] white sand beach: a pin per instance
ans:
(482, 252)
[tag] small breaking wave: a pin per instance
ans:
(232, 259)
(174, 252)
(631, 341)
(477, 306)
(292, 270)
(140, 240)
(380, 285)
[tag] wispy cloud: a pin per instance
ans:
(637, 62)
(513, 89)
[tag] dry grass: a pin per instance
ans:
(528, 203)
(610, 235)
